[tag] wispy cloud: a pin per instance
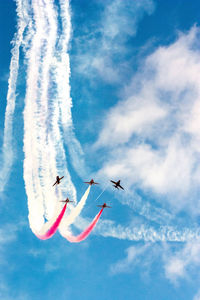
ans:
(151, 137)
(179, 265)
(8, 233)
(118, 22)
(134, 255)
(197, 296)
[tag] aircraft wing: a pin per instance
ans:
(121, 187)
(86, 182)
(54, 183)
(61, 177)
(113, 182)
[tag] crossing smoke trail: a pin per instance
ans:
(51, 231)
(7, 154)
(86, 232)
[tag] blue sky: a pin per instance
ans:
(103, 90)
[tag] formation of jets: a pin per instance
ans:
(116, 184)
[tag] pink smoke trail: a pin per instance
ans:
(86, 232)
(50, 232)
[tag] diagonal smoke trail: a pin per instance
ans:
(7, 153)
(49, 228)
(76, 211)
(51, 231)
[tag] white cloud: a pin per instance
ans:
(6, 293)
(8, 233)
(181, 264)
(134, 255)
(152, 136)
(129, 117)
(118, 21)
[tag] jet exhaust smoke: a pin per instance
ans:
(74, 213)
(86, 232)
(54, 227)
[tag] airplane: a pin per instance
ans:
(91, 182)
(117, 184)
(104, 205)
(58, 179)
(66, 200)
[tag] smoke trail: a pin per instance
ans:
(74, 213)
(43, 147)
(145, 233)
(63, 86)
(86, 232)
(7, 154)
(53, 228)
(31, 145)
(101, 193)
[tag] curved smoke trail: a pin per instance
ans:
(7, 154)
(86, 232)
(51, 231)
(74, 213)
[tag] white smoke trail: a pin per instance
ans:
(43, 147)
(63, 72)
(66, 222)
(7, 154)
(31, 147)
(101, 193)
(60, 76)
(47, 156)
(145, 233)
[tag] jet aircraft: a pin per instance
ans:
(104, 205)
(91, 182)
(66, 200)
(58, 179)
(117, 184)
